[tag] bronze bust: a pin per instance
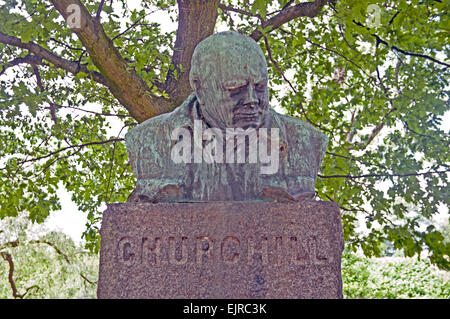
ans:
(225, 143)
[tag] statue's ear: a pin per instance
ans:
(197, 87)
(195, 84)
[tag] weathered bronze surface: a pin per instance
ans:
(229, 78)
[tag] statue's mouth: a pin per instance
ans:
(246, 116)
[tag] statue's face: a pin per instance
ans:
(232, 88)
(247, 99)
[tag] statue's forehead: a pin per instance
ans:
(238, 69)
(230, 58)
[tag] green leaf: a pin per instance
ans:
(260, 7)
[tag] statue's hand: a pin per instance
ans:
(304, 195)
(279, 194)
(166, 194)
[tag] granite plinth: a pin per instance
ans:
(221, 250)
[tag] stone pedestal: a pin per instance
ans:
(221, 250)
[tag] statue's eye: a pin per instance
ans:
(260, 86)
(235, 90)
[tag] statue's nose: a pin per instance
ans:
(251, 98)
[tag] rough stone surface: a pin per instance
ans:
(221, 250)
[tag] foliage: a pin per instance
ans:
(43, 265)
(446, 233)
(392, 278)
(379, 91)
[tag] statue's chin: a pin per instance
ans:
(246, 123)
(247, 126)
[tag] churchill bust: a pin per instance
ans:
(225, 143)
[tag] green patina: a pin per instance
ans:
(229, 79)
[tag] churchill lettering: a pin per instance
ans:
(151, 250)
(182, 257)
(126, 251)
(180, 250)
(262, 252)
(204, 246)
(230, 250)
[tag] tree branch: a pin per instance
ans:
(53, 246)
(60, 158)
(67, 148)
(306, 9)
(13, 243)
(379, 127)
(379, 40)
(130, 27)
(340, 54)
(384, 175)
(357, 160)
(89, 281)
(8, 258)
(269, 53)
(30, 59)
(420, 134)
(345, 208)
(66, 258)
(124, 83)
(67, 65)
(88, 111)
(393, 47)
(99, 10)
(37, 74)
(66, 45)
(240, 11)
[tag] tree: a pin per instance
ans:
(37, 263)
(372, 75)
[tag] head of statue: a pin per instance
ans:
(229, 77)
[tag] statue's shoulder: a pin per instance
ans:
(296, 128)
(292, 122)
(162, 124)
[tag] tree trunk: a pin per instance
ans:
(196, 21)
